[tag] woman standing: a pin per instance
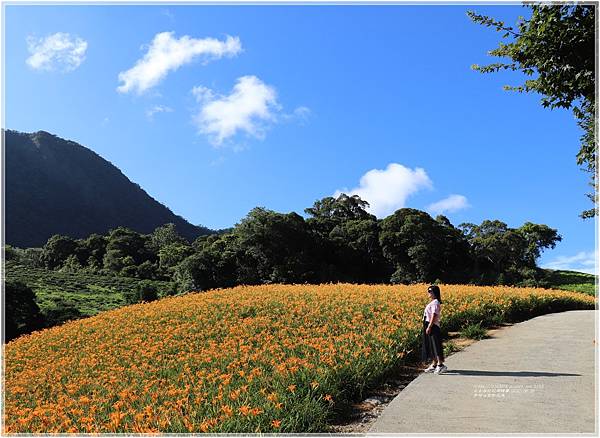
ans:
(432, 337)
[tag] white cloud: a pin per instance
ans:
(250, 108)
(158, 109)
(582, 262)
(203, 94)
(450, 204)
(387, 190)
(167, 53)
(300, 114)
(56, 52)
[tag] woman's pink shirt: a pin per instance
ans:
(433, 310)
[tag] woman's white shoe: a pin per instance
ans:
(430, 369)
(440, 369)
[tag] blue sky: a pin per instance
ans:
(214, 110)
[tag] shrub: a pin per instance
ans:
(450, 347)
(474, 331)
(131, 296)
(10, 253)
(146, 270)
(61, 312)
(170, 289)
(146, 291)
(21, 311)
(71, 265)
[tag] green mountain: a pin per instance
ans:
(56, 186)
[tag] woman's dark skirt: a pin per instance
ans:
(432, 344)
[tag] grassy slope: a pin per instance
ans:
(571, 280)
(89, 293)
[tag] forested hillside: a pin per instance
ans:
(56, 186)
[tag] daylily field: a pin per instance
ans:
(273, 358)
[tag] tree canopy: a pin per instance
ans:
(22, 312)
(339, 242)
(555, 48)
(507, 253)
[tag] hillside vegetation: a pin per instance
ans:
(87, 293)
(339, 242)
(571, 280)
(271, 358)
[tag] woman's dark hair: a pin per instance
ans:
(435, 290)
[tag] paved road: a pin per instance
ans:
(533, 377)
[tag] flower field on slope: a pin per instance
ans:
(272, 358)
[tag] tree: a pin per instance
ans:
(91, 251)
(538, 238)
(71, 264)
(277, 247)
(125, 250)
(455, 252)
(57, 249)
(422, 249)
(165, 235)
(146, 270)
(508, 253)
(214, 264)
(21, 310)
(329, 212)
(171, 255)
(198, 272)
(498, 250)
(557, 44)
(357, 255)
(347, 238)
(32, 257)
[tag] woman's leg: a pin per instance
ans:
(438, 348)
(432, 350)
(427, 347)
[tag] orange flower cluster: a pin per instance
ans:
(246, 359)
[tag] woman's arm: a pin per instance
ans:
(428, 329)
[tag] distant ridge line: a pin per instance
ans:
(57, 186)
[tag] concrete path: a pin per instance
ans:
(536, 376)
